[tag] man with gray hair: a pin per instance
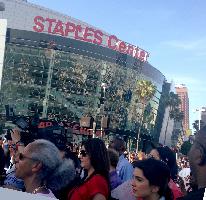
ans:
(197, 159)
(43, 169)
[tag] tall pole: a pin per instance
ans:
(199, 117)
(48, 85)
(93, 129)
(139, 128)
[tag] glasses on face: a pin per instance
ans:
(83, 153)
(22, 157)
(150, 156)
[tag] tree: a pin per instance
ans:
(172, 101)
(177, 115)
(145, 91)
(185, 148)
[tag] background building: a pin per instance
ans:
(203, 117)
(182, 92)
(167, 126)
(67, 68)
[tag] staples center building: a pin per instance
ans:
(59, 65)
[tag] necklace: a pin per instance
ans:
(38, 188)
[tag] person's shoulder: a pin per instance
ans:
(128, 164)
(197, 195)
(98, 177)
(125, 160)
(97, 184)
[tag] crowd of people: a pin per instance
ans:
(97, 172)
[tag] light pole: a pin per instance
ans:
(140, 126)
(51, 55)
(103, 86)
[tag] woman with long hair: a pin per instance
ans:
(150, 181)
(166, 155)
(95, 161)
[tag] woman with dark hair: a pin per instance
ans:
(166, 155)
(151, 179)
(94, 159)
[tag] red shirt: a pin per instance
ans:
(97, 184)
(175, 190)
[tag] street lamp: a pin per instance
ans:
(51, 55)
(103, 97)
(104, 86)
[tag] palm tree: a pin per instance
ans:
(145, 91)
(172, 101)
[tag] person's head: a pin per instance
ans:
(113, 158)
(166, 154)
(41, 161)
(151, 178)
(118, 144)
(94, 155)
(197, 158)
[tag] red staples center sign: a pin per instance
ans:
(87, 34)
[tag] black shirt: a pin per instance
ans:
(195, 195)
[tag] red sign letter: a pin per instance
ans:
(98, 37)
(87, 33)
(112, 37)
(122, 47)
(143, 55)
(76, 34)
(38, 20)
(50, 24)
(70, 28)
(59, 28)
(130, 50)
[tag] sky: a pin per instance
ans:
(173, 32)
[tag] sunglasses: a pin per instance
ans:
(13, 146)
(150, 156)
(83, 153)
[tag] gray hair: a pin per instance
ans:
(57, 172)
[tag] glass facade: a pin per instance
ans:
(86, 80)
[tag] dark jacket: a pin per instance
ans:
(195, 195)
